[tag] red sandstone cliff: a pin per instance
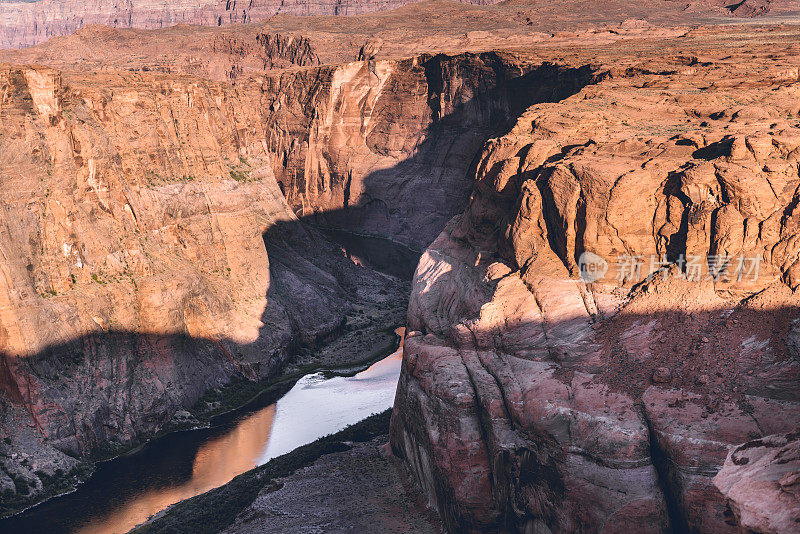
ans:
(534, 400)
(155, 242)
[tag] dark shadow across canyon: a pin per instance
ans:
(120, 387)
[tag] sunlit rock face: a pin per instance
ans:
(29, 23)
(155, 236)
(535, 399)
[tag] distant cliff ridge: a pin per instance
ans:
(24, 23)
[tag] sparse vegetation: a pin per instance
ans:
(240, 176)
(154, 179)
(20, 484)
(57, 483)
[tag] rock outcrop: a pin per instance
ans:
(761, 481)
(614, 310)
(321, 496)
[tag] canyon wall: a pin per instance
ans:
(388, 152)
(158, 228)
(615, 310)
(29, 23)
(142, 262)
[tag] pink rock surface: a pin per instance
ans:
(539, 384)
(761, 481)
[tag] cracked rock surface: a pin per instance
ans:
(533, 400)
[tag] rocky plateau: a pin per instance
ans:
(26, 23)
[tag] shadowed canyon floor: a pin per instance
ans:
(126, 491)
(195, 213)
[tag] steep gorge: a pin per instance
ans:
(159, 231)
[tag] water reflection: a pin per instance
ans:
(127, 491)
(217, 461)
(316, 406)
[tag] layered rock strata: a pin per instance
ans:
(156, 244)
(156, 228)
(542, 392)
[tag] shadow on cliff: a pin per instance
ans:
(724, 362)
(121, 387)
(403, 208)
(471, 98)
(169, 461)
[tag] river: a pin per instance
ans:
(127, 490)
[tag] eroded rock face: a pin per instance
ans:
(534, 400)
(155, 226)
(320, 496)
(761, 480)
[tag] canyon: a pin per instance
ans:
(196, 212)
(161, 240)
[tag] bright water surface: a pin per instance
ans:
(126, 491)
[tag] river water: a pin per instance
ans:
(126, 491)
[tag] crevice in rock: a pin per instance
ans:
(486, 434)
(667, 478)
(714, 150)
(676, 243)
(549, 214)
(580, 228)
